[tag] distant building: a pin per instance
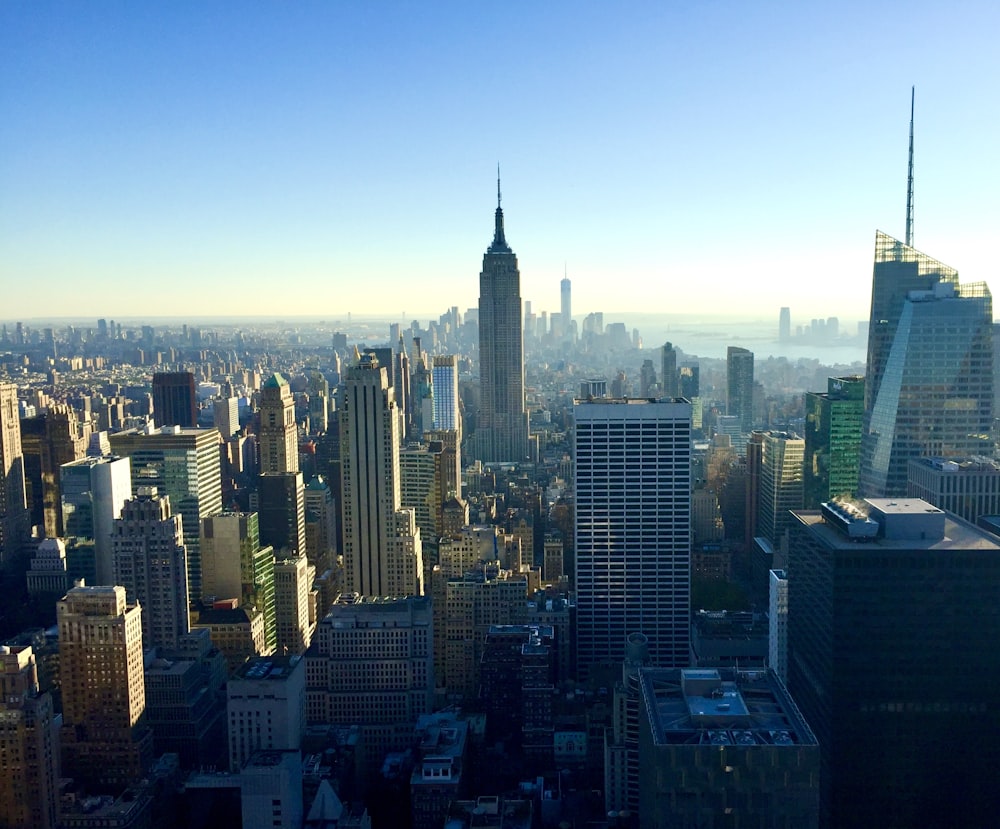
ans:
(739, 386)
(780, 483)
(278, 438)
(725, 744)
(15, 520)
(175, 402)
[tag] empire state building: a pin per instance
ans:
(502, 427)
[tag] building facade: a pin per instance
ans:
(833, 440)
(502, 423)
(15, 520)
(633, 528)
(739, 386)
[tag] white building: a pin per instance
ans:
(633, 528)
(777, 631)
(265, 707)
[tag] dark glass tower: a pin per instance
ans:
(739, 386)
(174, 401)
(833, 440)
(502, 426)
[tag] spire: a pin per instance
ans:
(909, 178)
(499, 242)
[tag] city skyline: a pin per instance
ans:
(329, 147)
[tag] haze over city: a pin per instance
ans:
(316, 158)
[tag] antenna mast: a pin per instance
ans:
(909, 179)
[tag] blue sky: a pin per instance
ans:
(319, 158)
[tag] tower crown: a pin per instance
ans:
(499, 242)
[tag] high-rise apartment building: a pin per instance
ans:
(780, 483)
(502, 424)
(382, 545)
(15, 520)
(28, 746)
(185, 465)
(444, 373)
(235, 565)
(174, 400)
(929, 388)
(739, 386)
(886, 607)
(105, 740)
(833, 440)
(150, 561)
(278, 438)
(633, 528)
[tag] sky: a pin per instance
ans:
(298, 158)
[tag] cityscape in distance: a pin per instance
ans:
(677, 505)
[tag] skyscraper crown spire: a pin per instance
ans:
(909, 177)
(499, 242)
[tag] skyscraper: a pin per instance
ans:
(151, 563)
(185, 465)
(566, 307)
(784, 325)
(94, 490)
(929, 388)
(739, 386)
(174, 400)
(278, 437)
(887, 606)
(669, 378)
(833, 440)
(502, 425)
(633, 528)
(382, 549)
(105, 740)
(780, 483)
(444, 375)
(14, 516)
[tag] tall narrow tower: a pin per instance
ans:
(502, 426)
(566, 307)
(382, 549)
(739, 386)
(278, 437)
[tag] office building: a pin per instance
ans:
(147, 549)
(271, 791)
(566, 307)
(48, 577)
(321, 523)
(502, 423)
(967, 487)
(15, 520)
(720, 747)
(382, 545)
(739, 386)
(185, 465)
(892, 656)
(265, 707)
(282, 511)
(438, 777)
(47, 442)
(175, 402)
(669, 377)
(780, 483)
(94, 490)
(633, 528)
(784, 325)
(371, 663)
(293, 578)
(29, 748)
(832, 436)
(238, 632)
(929, 386)
(106, 742)
(237, 566)
(777, 629)
(226, 416)
(278, 437)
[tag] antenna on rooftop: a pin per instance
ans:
(909, 178)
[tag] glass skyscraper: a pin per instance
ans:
(833, 440)
(930, 360)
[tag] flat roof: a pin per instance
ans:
(958, 535)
